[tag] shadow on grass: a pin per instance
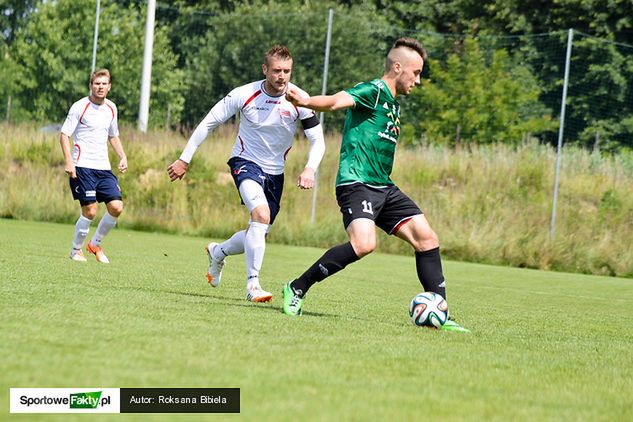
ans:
(226, 300)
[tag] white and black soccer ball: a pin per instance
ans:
(428, 309)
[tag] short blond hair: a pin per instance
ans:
(278, 51)
(98, 73)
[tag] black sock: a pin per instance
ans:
(332, 261)
(429, 266)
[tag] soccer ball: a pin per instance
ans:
(428, 309)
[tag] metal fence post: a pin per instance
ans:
(146, 77)
(96, 37)
(570, 36)
(326, 65)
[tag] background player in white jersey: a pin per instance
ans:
(266, 130)
(92, 122)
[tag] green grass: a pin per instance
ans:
(544, 345)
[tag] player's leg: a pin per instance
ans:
(418, 233)
(82, 188)
(82, 227)
(356, 203)
(217, 252)
(250, 179)
(362, 235)
(107, 223)
(114, 209)
(254, 198)
(362, 241)
(234, 245)
(107, 191)
(254, 249)
(403, 218)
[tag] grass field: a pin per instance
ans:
(544, 345)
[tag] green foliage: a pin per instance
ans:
(54, 52)
(9, 92)
(446, 16)
(13, 15)
(472, 99)
(204, 49)
(216, 60)
(602, 18)
(601, 106)
(600, 90)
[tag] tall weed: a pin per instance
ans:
(489, 204)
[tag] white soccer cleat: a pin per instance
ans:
(214, 273)
(77, 255)
(255, 294)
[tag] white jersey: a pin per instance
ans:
(90, 125)
(266, 130)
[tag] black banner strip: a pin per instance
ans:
(180, 400)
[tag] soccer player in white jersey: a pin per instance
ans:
(267, 125)
(92, 122)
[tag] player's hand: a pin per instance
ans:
(177, 170)
(306, 179)
(69, 168)
(123, 165)
(295, 98)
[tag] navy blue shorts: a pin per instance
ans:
(92, 186)
(273, 184)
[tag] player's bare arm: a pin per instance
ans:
(69, 166)
(339, 101)
(306, 179)
(177, 169)
(115, 141)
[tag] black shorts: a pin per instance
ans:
(388, 207)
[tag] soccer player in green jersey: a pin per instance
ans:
(364, 190)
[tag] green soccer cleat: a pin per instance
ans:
(291, 301)
(452, 325)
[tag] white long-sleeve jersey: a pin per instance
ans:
(90, 125)
(266, 129)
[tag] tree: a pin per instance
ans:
(13, 15)
(475, 99)
(9, 93)
(54, 51)
(231, 51)
(601, 94)
(600, 98)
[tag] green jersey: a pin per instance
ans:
(370, 135)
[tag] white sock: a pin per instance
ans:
(82, 227)
(254, 248)
(233, 246)
(104, 227)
